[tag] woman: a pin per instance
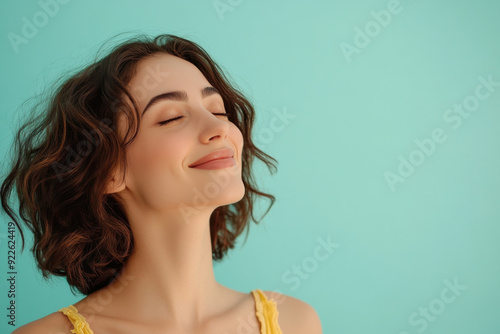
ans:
(142, 179)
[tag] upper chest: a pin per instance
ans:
(237, 321)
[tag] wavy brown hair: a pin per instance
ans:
(62, 158)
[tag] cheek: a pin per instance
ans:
(157, 174)
(236, 135)
(158, 154)
(237, 138)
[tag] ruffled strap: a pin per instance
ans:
(78, 320)
(267, 313)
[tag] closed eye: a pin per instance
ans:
(177, 118)
(170, 120)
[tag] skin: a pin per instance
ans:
(168, 283)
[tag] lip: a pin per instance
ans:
(224, 153)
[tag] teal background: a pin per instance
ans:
(349, 123)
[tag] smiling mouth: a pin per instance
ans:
(217, 163)
(221, 154)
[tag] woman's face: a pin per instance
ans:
(158, 176)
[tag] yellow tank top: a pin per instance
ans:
(265, 310)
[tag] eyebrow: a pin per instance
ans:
(178, 96)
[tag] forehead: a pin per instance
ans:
(163, 72)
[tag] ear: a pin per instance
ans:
(117, 182)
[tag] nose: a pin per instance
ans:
(213, 126)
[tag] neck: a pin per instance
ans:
(170, 272)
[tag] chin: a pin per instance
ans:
(233, 194)
(241, 194)
(218, 192)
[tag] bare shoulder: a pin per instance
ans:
(54, 323)
(295, 315)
